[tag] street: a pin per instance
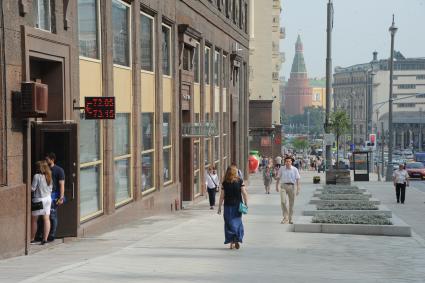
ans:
(188, 247)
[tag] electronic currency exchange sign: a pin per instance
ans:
(99, 107)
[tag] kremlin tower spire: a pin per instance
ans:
(297, 93)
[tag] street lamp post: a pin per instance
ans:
(393, 30)
(352, 118)
(330, 12)
(420, 129)
(380, 136)
(308, 125)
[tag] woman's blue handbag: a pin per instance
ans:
(243, 208)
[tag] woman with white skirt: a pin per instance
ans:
(41, 202)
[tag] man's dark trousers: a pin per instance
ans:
(400, 192)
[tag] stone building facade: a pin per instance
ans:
(264, 80)
(366, 86)
(178, 71)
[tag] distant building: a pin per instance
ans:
(368, 85)
(318, 97)
(298, 93)
(264, 81)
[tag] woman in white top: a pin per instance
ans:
(212, 182)
(42, 189)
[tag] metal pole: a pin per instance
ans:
(377, 151)
(352, 119)
(308, 125)
(328, 77)
(382, 149)
(420, 130)
(393, 30)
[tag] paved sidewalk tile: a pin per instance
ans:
(188, 247)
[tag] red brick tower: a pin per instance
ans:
(298, 93)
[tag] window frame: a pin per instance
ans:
(129, 157)
(207, 70)
(129, 67)
(197, 70)
(153, 43)
(38, 17)
(217, 68)
(170, 147)
(100, 163)
(150, 151)
(170, 53)
(99, 37)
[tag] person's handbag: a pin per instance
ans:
(36, 206)
(243, 208)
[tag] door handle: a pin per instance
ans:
(73, 190)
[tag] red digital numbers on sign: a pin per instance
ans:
(99, 107)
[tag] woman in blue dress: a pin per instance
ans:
(232, 193)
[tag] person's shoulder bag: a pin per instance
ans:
(36, 205)
(243, 208)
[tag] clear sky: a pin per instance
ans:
(360, 27)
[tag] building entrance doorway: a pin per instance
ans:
(60, 138)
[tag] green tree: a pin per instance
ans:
(339, 125)
(299, 144)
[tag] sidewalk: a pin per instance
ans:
(188, 247)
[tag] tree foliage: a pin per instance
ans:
(339, 125)
(300, 144)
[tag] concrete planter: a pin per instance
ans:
(311, 210)
(338, 177)
(399, 228)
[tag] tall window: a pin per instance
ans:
(196, 168)
(122, 157)
(224, 72)
(216, 68)
(167, 147)
(121, 33)
(148, 151)
(42, 14)
(90, 168)
(166, 50)
(207, 65)
(146, 42)
(88, 28)
(196, 63)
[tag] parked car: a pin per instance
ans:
(416, 170)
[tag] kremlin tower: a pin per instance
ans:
(298, 93)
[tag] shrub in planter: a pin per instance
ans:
(342, 191)
(378, 219)
(349, 205)
(344, 197)
(339, 187)
(316, 179)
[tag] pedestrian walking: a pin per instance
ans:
(58, 193)
(289, 176)
(233, 192)
(41, 201)
(211, 181)
(400, 180)
(278, 161)
(267, 178)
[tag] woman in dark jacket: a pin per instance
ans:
(232, 193)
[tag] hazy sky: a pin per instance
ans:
(360, 27)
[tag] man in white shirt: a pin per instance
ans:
(289, 176)
(400, 180)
